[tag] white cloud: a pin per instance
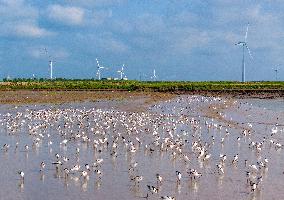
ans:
(228, 22)
(30, 30)
(66, 14)
(17, 10)
(18, 18)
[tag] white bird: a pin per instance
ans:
(153, 189)
(236, 158)
(178, 174)
(64, 142)
(206, 157)
(220, 168)
(253, 167)
(99, 173)
(22, 174)
(42, 166)
(159, 178)
(84, 174)
(5, 147)
(87, 166)
(76, 168)
(168, 198)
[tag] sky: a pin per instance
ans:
(187, 40)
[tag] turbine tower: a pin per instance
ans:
(244, 45)
(154, 77)
(99, 69)
(121, 72)
(51, 68)
(50, 63)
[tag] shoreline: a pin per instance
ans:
(61, 96)
(239, 94)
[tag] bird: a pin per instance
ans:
(57, 156)
(178, 175)
(84, 174)
(6, 147)
(253, 186)
(223, 158)
(220, 168)
(137, 179)
(206, 157)
(236, 158)
(152, 189)
(77, 150)
(66, 172)
(75, 168)
(64, 142)
(22, 175)
(132, 166)
(42, 166)
(99, 173)
(159, 178)
(87, 166)
(168, 198)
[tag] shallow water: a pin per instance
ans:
(270, 104)
(182, 121)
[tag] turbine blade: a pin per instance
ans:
(246, 36)
(249, 51)
(240, 44)
(98, 63)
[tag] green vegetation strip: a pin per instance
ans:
(130, 85)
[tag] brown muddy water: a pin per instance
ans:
(186, 134)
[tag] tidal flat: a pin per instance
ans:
(141, 147)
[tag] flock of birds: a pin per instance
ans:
(187, 145)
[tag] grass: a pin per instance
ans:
(132, 85)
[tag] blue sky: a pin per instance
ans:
(181, 39)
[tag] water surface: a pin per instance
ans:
(163, 137)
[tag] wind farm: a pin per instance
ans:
(114, 73)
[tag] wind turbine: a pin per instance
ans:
(121, 72)
(154, 77)
(99, 69)
(244, 45)
(50, 63)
